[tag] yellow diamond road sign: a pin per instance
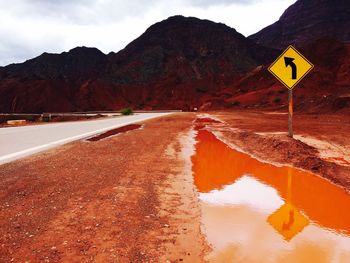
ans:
(290, 67)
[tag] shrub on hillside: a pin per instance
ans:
(277, 100)
(126, 111)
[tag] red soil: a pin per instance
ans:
(115, 200)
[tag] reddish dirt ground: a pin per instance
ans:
(131, 198)
(56, 119)
(119, 199)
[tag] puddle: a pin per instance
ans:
(275, 113)
(114, 132)
(207, 120)
(257, 212)
(204, 120)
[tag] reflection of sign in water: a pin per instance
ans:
(288, 220)
(215, 166)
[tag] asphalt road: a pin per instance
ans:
(18, 142)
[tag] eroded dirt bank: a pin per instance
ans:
(127, 198)
(321, 144)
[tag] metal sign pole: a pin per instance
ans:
(290, 113)
(290, 68)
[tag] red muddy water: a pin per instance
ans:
(254, 211)
(114, 132)
(200, 123)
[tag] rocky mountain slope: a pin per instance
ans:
(325, 89)
(176, 63)
(321, 30)
(305, 21)
(186, 63)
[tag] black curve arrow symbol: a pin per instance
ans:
(289, 62)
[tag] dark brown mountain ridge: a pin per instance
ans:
(174, 64)
(185, 63)
(305, 21)
(325, 89)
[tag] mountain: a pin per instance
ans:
(177, 63)
(306, 21)
(78, 62)
(325, 89)
(186, 63)
(321, 30)
(49, 82)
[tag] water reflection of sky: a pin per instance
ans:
(245, 191)
(253, 211)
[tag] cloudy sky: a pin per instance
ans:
(31, 27)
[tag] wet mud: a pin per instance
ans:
(113, 132)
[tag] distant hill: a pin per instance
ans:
(186, 63)
(306, 21)
(176, 63)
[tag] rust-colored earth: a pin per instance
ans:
(132, 198)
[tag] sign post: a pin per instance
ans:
(290, 68)
(290, 113)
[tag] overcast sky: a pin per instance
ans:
(30, 27)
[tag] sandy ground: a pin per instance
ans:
(126, 198)
(130, 197)
(57, 119)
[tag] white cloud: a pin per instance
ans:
(31, 27)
